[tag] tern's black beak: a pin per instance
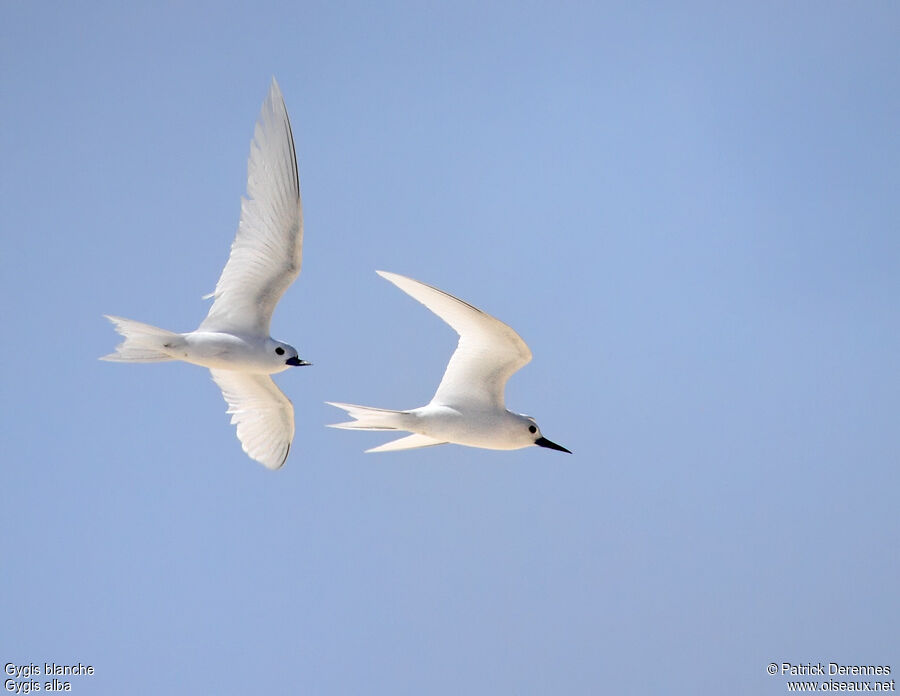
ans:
(544, 442)
(296, 362)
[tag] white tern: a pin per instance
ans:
(233, 341)
(469, 406)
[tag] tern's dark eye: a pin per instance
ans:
(532, 429)
(279, 350)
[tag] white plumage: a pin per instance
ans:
(233, 341)
(469, 406)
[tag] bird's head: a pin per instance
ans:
(286, 354)
(530, 433)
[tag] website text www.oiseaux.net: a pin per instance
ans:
(848, 677)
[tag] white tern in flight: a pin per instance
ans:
(468, 407)
(233, 341)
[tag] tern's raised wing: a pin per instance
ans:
(263, 415)
(488, 352)
(267, 250)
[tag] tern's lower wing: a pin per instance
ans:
(409, 442)
(264, 416)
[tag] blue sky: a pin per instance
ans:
(689, 212)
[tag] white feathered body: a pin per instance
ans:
(468, 407)
(487, 428)
(233, 340)
(225, 351)
(212, 349)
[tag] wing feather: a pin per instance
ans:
(266, 254)
(413, 441)
(264, 416)
(487, 354)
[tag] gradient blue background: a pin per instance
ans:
(690, 213)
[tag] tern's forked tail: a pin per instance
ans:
(368, 418)
(143, 343)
